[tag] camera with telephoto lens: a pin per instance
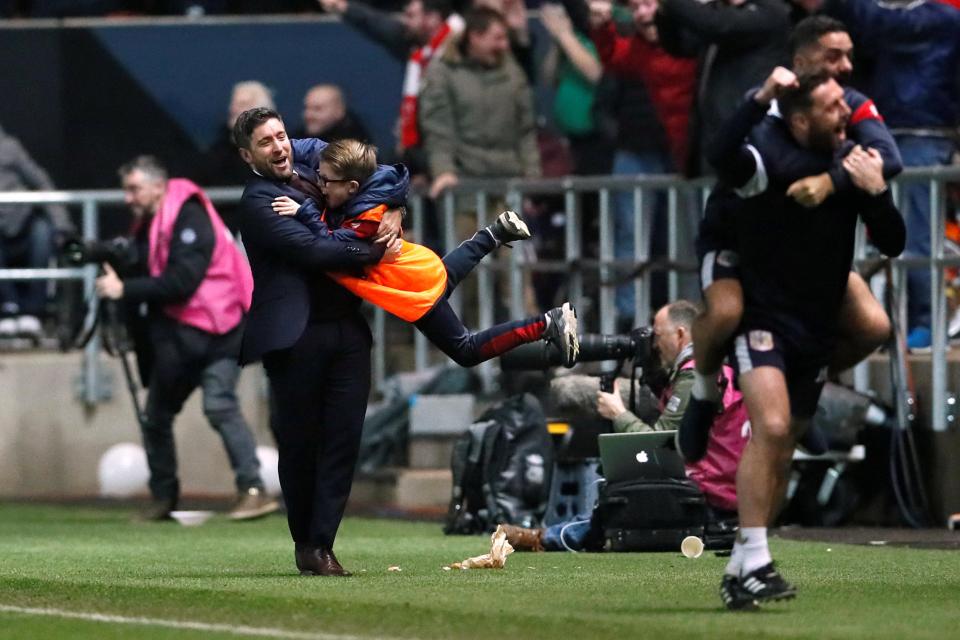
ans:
(119, 252)
(636, 346)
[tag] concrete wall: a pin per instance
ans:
(50, 444)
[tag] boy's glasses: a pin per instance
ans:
(324, 180)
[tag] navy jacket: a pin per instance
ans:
(916, 82)
(288, 263)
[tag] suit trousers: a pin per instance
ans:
(319, 388)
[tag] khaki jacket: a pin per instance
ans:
(478, 122)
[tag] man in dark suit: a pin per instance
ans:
(308, 331)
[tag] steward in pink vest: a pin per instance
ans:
(716, 472)
(221, 300)
(189, 287)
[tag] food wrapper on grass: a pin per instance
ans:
(499, 550)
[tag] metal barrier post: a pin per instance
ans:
(91, 392)
(641, 256)
(899, 272)
(607, 288)
(673, 281)
(450, 241)
(938, 310)
(573, 243)
(861, 372)
(484, 291)
(518, 265)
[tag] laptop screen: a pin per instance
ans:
(648, 455)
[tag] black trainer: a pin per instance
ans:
(509, 226)
(694, 431)
(562, 332)
(767, 585)
(733, 596)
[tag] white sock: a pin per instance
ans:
(705, 386)
(736, 560)
(755, 551)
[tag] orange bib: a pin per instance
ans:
(407, 288)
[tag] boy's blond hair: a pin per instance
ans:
(352, 159)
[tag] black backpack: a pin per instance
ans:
(501, 469)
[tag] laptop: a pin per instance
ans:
(640, 456)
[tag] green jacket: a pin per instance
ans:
(681, 384)
(478, 122)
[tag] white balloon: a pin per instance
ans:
(269, 458)
(123, 471)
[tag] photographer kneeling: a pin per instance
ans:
(714, 474)
(196, 286)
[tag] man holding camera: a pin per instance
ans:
(195, 287)
(715, 474)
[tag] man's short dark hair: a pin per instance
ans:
(443, 7)
(683, 313)
(248, 121)
(800, 98)
(809, 31)
(479, 19)
(148, 165)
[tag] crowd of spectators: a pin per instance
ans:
(637, 87)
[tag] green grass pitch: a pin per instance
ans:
(226, 579)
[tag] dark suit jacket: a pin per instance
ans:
(288, 263)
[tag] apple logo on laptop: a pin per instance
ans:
(642, 457)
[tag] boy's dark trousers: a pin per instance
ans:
(445, 329)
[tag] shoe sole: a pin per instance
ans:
(568, 337)
(780, 597)
(750, 605)
(513, 223)
(256, 513)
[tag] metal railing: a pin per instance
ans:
(91, 385)
(479, 201)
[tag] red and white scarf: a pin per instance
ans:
(416, 65)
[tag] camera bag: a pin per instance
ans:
(651, 515)
(501, 469)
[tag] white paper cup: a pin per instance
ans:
(691, 547)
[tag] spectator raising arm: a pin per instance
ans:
(557, 23)
(381, 27)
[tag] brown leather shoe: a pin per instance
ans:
(522, 539)
(318, 561)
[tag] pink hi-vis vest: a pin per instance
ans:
(223, 297)
(716, 472)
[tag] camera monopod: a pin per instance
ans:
(115, 343)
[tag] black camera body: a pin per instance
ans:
(120, 252)
(636, 346)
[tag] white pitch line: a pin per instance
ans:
(239, 630)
